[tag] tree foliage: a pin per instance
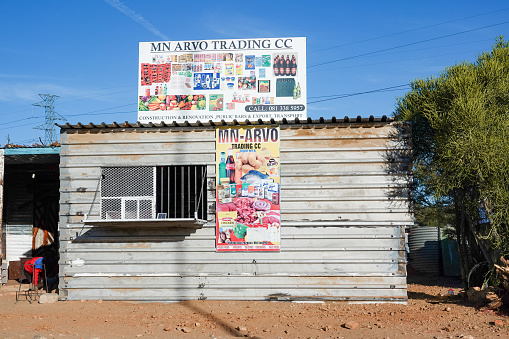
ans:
(460, 126)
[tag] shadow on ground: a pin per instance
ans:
(227, 327)
(435, 283)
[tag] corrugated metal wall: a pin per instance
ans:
(18, 242)
(344, 190)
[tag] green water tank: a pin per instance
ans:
(450, 257)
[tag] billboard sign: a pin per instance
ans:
(242, 79)
(248, 216)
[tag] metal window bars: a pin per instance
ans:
(181, 191)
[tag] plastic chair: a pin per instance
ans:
(32, 293)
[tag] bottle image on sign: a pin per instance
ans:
(282, 66)
(294, 65)
(288, 66)
(230, 166)
(238, 168)
(222, 166)
(276, 66)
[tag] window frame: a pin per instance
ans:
(199, 187)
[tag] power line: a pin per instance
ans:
(100, 89)
(24, 141)
(97, 96)
(100, 110)
(387, 62)
(82, 91)
(405, 45)
(410, 30)
(107, 113)
(66, 102)
(11, 122)
(386, 89)
(74, 115)
(2, 128)
(340, 96)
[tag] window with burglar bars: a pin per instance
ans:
(144, 192)
(182, 191)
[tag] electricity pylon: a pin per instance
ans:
(51, 116)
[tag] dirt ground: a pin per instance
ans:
(425, 316)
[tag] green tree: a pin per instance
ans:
(460, 143)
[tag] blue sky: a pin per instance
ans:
(86, 52)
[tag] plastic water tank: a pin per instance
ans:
(424, 246)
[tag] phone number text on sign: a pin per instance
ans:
(274, 108)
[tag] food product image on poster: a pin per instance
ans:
(229, 69)
(171, 102)
(248, 216)
(206, 81)
(247, 83)
(265, 61)
(250, 62)
(238, 69)
(284, 87)
(258, 62)
(216, 102)
(263, 86)
(222, 67)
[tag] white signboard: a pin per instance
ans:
(222, 80)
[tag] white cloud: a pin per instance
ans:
(15, 76)
(27, 92)
(136, 17)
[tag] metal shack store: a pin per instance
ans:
(153, 212)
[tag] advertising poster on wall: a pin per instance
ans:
(242, 79)
(248, 216)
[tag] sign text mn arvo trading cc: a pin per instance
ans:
(217, 45)
(222, 79)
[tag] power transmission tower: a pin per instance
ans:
(51, 116)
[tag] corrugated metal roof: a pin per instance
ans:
(210, 123)
(31, 146)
